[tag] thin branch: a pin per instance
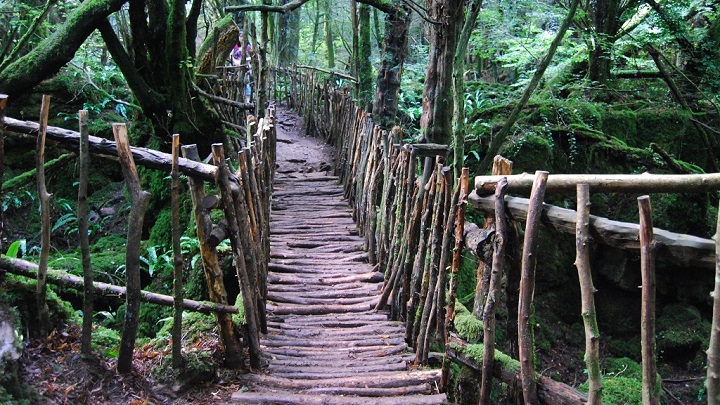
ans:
(101, 90)
(267, 8)
(419, 12)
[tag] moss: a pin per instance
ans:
(161, 231)
(622, 382)
(467, 325)
(475, 352)
(681, 333)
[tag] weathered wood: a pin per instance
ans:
(246, 285)
(82, 215)
(104, 148)
(650, 387)
(607, 183)
(713, 352)
(28, 269)
(211, 266)
(494, 288)
(339, 397)
(462, 192)
(587, 291)
(139, 200)
(44, 197)
(501, 166)
(527, 290)
(685, 249)
(177, 358)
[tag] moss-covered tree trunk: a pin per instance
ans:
(55, 51)
(289, 39)
(329, 36)
(437, 100)
(606, 23)
(365, 90)
(391, 67)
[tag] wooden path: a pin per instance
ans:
(325, 344)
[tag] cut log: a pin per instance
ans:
(291, 398)
(28, 269)
(686, 249)
(105, 148)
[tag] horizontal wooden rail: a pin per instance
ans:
(606, 183)
(686, 249)
(27, 269)
(549, 391)
(103, 147)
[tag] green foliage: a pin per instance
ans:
(467, 279)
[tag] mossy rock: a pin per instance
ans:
(621, 382)
(681, 333)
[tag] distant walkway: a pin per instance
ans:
(325, 343)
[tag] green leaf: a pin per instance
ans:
(14, 249)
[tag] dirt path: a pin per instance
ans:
(326, 345)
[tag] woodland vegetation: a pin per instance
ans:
(567, 86)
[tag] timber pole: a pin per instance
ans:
(44, 196)
(650, 383)
(3, 106)
(527, 290)
(62, 279)
(606, 183)
(82, 218)
(713, 353)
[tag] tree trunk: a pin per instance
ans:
(606, 23)
(3, 106)
(364, 74)
(330, 47)
(391, 68)
(458, 138)
(437, 100)
(289, 40)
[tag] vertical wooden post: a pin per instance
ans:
(489, 309)
(246, 285)
(211, 265)
(587, 291)
(3, 106)
(501, 166)
(82, 209)
(44, 196)
(457, 251)
(713, 353)
(650, 384)
(527, 290)
(139, 200)
(177, 359)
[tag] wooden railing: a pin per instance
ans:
(407, 220)
(244, 198)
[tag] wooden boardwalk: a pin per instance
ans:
(325, 343)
